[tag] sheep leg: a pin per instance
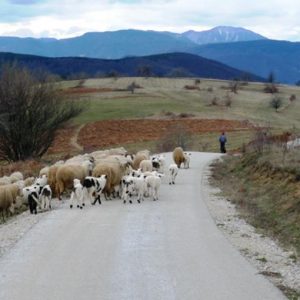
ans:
(72, 199)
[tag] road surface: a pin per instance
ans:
(168, 249)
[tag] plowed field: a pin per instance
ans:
(103, 134)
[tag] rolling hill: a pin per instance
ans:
(259, 57)
(170, 65)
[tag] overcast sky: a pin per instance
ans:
(275, 19)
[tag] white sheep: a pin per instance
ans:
(31, 195)
(186, 163)
(45, 197)
(41, 181)
(153, 183)
(127, 188)
(94, 185)
(173, 171)
(77, 194)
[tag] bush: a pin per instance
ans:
(276, 103)
(292, 98)
(214, 101)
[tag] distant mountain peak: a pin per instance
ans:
(222, 34)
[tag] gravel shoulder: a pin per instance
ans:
(268, 257)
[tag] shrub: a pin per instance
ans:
(276, 103)
(214, 101)
(292, 98)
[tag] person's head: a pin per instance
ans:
(223, 132)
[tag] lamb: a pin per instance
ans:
(31, 196)
(8, 198)
(178, 156)
(41, 181)
(127, 188)
(153, 183)
(139, 186)
(77, 194)
(186, 163)
(158, 163)
(94, 185)
(67, 173)
(45, 197)
(173, 171)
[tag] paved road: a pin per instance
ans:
(169, 249)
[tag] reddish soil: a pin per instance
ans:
(85, 90)
(107, 133)
(103, 134)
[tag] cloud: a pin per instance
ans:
(65, 18)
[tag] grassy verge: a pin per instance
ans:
(265, 187)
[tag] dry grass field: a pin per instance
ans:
(161, 99)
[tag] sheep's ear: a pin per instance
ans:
(123, 181)
(105, 176)
(145, 176)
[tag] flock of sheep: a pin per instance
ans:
(110, 173)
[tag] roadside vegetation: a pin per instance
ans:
(264, 184)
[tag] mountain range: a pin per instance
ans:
(237, 47)
(166, 65)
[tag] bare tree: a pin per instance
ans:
(131, 87)
(175, 136)
(144, 71)
(30, 113)
(233, 86)
(270, 86)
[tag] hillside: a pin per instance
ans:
(173, 64)
(259, 57)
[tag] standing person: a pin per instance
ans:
(222, 140)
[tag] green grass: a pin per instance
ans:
(159, 95)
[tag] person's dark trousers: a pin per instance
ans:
(222, 147)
